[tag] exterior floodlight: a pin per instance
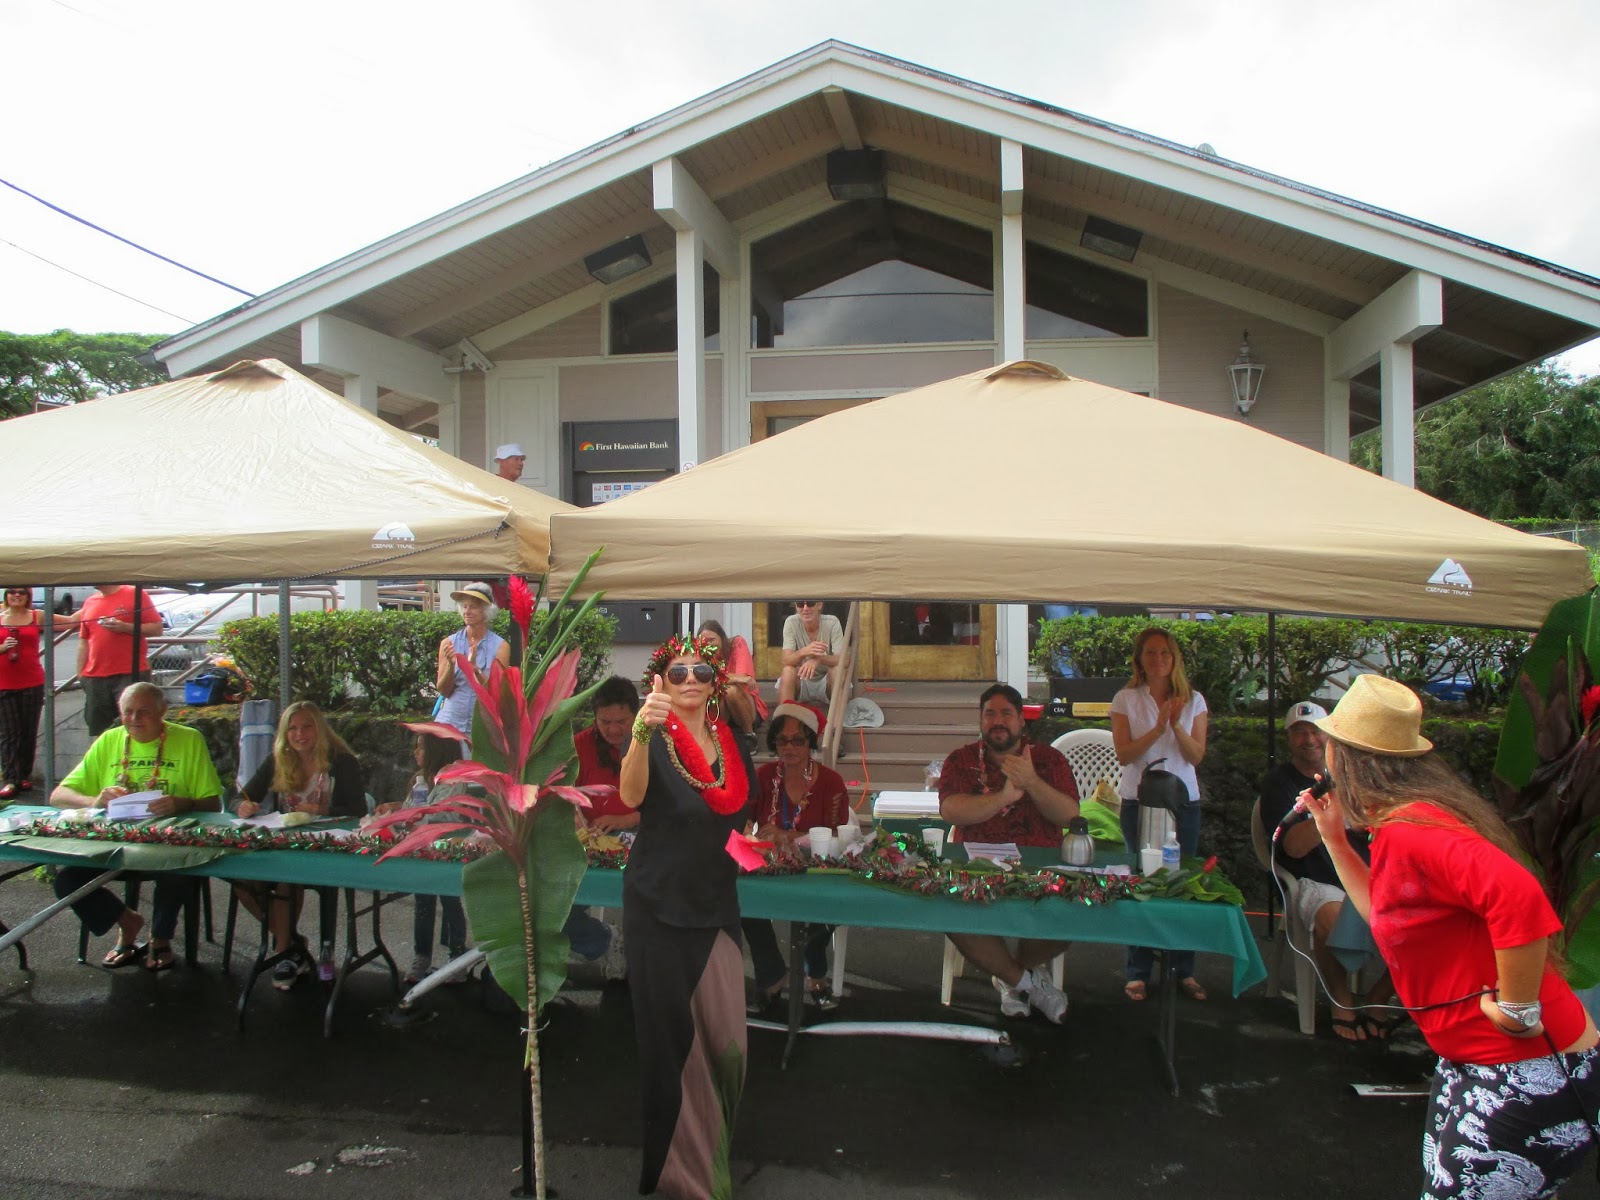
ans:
(627, 257)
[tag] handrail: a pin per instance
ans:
(844, 686)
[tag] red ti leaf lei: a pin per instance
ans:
(734, 793)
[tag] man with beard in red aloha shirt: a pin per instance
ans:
(1003, 788)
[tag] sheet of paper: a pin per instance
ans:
(1109, 869)
(267, 820)
(135, 806)
(998, 853)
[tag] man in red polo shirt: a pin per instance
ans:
(600, 749)
(1002, 788)
(105, 650)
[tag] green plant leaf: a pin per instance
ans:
(555, 867)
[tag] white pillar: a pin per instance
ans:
(1011, 281)
(362, 593)
(1398, 414)
(1336, 418)
(1011, 645)
(691, 348)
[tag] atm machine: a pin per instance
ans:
(603, 461)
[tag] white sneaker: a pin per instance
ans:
(1013, 1000)
(1050, 1000)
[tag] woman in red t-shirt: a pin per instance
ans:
(21, 690)
(1465, 928)
(795, 794)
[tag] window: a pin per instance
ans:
(1070, 297)
(646, 321)
(868, 273)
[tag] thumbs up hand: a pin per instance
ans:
(657, 705)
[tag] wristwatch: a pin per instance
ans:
(1526, 1015)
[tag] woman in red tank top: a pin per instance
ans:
(21, 690)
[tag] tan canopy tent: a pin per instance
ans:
(1021, 484)
(250, 473)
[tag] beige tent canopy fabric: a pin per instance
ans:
(1020, 484)
(251, 473)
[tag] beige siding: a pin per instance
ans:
(863, 372)
(1199, 338)
(472, 449)
(576, 337)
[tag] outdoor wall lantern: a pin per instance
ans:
(616, 262)
(1245, 376)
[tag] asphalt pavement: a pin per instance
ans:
(129, 1084)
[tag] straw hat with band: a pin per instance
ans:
(804, 713)
(473, 591)
(1380, 716)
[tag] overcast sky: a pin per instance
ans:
(257, 142)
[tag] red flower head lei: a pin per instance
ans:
(725, 788)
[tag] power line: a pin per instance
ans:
(125, 241)
(96, 282)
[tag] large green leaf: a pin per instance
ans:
(1573, 623)
(555, 867)
(1583, 948)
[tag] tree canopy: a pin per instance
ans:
(66, 367)
(1525, 445)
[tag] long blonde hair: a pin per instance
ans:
(289, 774)
(1378, 789)
(1180, 678)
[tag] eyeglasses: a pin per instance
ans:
(798, 739)
(808, 603)
(17, 592)
(703, 673)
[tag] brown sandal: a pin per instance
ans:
(1135, 990)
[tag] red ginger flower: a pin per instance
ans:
(521, 604)
(1589, 704)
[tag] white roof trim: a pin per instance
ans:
(835, 64)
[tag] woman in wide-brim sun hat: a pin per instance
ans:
(475, 643)
(1465, 928)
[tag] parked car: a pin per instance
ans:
(68, 599)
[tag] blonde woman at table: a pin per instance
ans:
(692, 783)
(1466, 929)
(311, 771)
(1159, 718)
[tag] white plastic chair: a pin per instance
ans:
(1292, 930)
(1092, 756)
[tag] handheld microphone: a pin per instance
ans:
(1319, 788)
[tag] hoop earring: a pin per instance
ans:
(713, 709)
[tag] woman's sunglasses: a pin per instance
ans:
(703, 673)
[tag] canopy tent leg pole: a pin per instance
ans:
(138, 631)
(49, 638)
(44, 914)
(285, 690)
(1272, 691)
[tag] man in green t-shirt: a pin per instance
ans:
(144, 754)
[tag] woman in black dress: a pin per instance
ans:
(692, 782)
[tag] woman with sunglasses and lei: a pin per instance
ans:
(794, 795)
(692, 784)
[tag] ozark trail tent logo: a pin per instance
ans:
(395, 533)
(1451, 579)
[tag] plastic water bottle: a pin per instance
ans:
(325, 961)
(1169, 852)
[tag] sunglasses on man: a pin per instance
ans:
(703, 673)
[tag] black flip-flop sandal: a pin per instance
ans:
(161, 959)
(121, 955)
(1356, 1026)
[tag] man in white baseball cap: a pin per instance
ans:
(508, 461)
(1299, 850)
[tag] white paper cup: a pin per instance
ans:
(825, 845)
(1150, 860)
(849, 835)
(933, 839)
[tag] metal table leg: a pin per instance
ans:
(354, 961)
(797, 994)
(1167, 1030)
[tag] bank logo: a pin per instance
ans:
(1451, 579)
(393, 534)
(587, 446)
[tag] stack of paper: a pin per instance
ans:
(906, 804)
(135, 806)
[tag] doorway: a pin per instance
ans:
(901, 639)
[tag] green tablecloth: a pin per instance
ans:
(826, 897)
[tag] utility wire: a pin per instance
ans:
(127, 242)
(96, 282)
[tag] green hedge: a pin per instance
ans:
(1236, 762)
(386, 661)
(1226, 658)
